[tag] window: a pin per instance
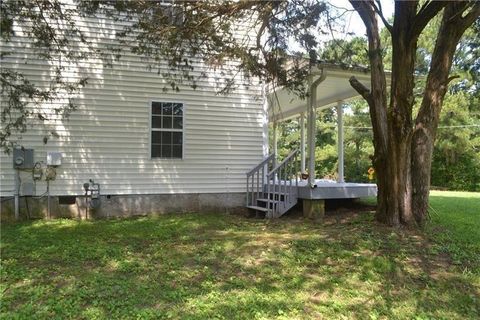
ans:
(167, 130)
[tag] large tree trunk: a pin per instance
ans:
(404, 46)
(377, 100)
(451, 29)
(403, 153)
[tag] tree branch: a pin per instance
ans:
(451, 78)
(361, 89)
(470, 17)
(379, 11)
(426, 13)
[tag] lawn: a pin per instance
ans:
(204, 266)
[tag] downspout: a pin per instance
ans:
(302, 143)
(311, 126)
(275, 144)
(17, 195)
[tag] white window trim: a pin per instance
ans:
(150, 129)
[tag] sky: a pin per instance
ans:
(353, 22)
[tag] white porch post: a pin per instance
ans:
(312, 103)
(302, 142)
(340, 177)
(311, 134)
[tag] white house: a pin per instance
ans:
(152, 151)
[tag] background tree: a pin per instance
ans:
(404, 144)
(456, 152)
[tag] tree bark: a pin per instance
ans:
(400, 123)
(454, 23)
(403, 152)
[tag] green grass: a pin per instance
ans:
(455, 226)
(197, 266)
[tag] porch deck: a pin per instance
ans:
(329, 189)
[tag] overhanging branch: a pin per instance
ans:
(426, 13)
(379, 11)
(471, 16)
(361, 89)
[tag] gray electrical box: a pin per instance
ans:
(28, 189)
(23, 158)
(54, 159)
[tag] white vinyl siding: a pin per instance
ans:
(108, 138)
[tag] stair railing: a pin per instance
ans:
(282, 186)
(256, 179)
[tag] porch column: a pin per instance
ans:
(340, 177)
(312, 103)
(302, 142)
(311, 134)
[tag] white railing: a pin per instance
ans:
(256, 179)
(282, 186)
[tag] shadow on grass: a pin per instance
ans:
(210, 266)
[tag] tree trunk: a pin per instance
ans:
(377, 101)
(400, 123)
(422, 150)
(451, 29)
(403, 153)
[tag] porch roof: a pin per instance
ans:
(284, 104)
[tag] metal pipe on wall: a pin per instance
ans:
(275, 144)
(302, 142)
(17, 194)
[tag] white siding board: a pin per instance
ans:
(107, 138)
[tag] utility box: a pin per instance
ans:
(22, 158)
(54, 159)
(28, 189)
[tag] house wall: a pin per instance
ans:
(125, 205)
(107, 139)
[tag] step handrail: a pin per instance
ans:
(286, 191)
(256, 179)
(261, 164)
(287, 159)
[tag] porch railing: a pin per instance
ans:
(282, 186)
(256, 179)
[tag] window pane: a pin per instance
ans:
(177, 138)
(177, 109)
(167, 122)
(177, 151)
(166, 143)
(156, 107)
(156, 121)
(166, 151)
(166, 137)
(156, 150)
(167, 109)
(156, 137)
(177, 123)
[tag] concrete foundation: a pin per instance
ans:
(126, 206)
(314, 209)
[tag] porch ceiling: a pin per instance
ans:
(284, 104)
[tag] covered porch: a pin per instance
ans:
(328, 87)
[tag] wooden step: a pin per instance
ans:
(258, 208)
(277, 196)
(266, 200)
